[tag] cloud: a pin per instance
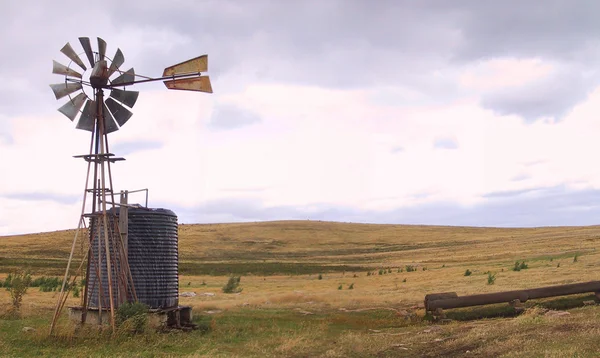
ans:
(38, 196)
(229, 116)
(320, 110)
(129, 147)
(445, 143)
(553, 207)
(551, 97)
(520, 177)
(397, 149)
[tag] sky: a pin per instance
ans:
(465, 112)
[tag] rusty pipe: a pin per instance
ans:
(447, 300)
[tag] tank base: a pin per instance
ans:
(179, 317)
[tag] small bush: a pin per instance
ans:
(410, 268)
(340, 287)
(232, 286)
(424, 268)
(380, 271)
(75, 291)
(203, 283)
(520, 266)
(468, 272)
(355, 275)
(558, 265)
(575, 257)
(444, 265)
(404, 280)
(132, 317)
(389, 270)
(351, 287)
(369, 273)
(18, 284)
(320, 277)
(491, 278)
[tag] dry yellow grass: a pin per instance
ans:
(324, 247)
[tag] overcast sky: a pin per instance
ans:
(483, 113)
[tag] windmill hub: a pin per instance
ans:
(99, 76)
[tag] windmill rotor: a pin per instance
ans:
(81, 108)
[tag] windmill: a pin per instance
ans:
(100, 115)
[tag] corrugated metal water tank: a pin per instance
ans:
(153, 259)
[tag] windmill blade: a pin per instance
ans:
(109, 122)
(61, 69)
(88, 116)
(120, 113)
(68, 51)
(117, 61)
(101, 48)
(87, 47)
(199, 84)
(62, 89)
(126, 97)
(197, 64)
(125, 77)
(71, 108)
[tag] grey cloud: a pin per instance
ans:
(397, 149)
(511, 193)
(418, 45)
(125, 148)
(552, 97)
(445, 143)
(520, 177)
(6, 138)
(229, 116)
(244, 190)
(553, 207)
(40, 196)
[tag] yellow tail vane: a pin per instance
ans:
(197, 64)
(199, 84)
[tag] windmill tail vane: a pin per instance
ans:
(101, 115)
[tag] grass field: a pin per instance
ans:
(286, 310)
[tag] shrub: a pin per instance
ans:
(320, 277)
(18, 284)
(575, 257)
(389, 270)
(404, 280)
(491, 278)
(340, 287)
(369, 273)
(468, 272)
(232, 286)
(410, 268)
(75, 291)
(380, 271)
(132, 317)
(424, 268)
(351, 287)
